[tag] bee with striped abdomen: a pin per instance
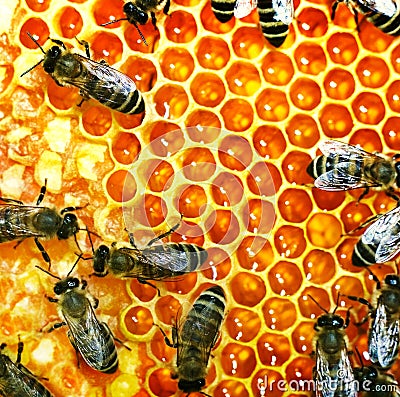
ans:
(345, 167)
(16, 380)
(89, 337)
(19, 222)
(384, 330)
(194, 338)
(155, 262)
(332, 374)
(223, 9)
(95, 80)
(383, 14)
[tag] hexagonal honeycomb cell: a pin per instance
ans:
(231, 124)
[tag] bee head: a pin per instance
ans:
(189, 386)
(134, 14)
(331, 321)
(67, 284)
(51, 58)
(393, 280)
(100, 258)
(69, 227)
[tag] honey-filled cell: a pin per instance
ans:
(299, 370)
(211, 23)
(343, 255)
(222, 226)
(38, 29)
(235, 152)
(273, 349)
(393, 96)
(308, 308)
(264, 179)
(324, 230)
(339, 84)
(227, 189)
(279, 314)
(368, 108)
(285, 278)
(348, 286)
(137, 320)
(242, 324)
(167, 309)
(38, 5)
(217, 265)
(154, 210)
(302, 130)
(189, 232)
(310, 58)
(372, 72)
(129, 121)
(373, 39)
(248, 42)
(277, 68)
(176, 64)
(267, 379)
(259, 216)
(305, 94)
(62, 98)
(97, 120)
(183, 285)
(354, 214)
(192, 201)
(255, 253)
(107, 46)
(121, 186)
(303, 336)
(205, 126)
(342, 48)
(328, 200)
(231, 388)
(212, 53)
(272, 105)
(126, 148)
(289, 241)
(395, 58)
(294, 168)
(70, 22)
(207, 89)
(238, 360)
(143, 292)
(165, 138)
(391, 133)
(247, 289)
(368, 139)
(180, 27)
(312, 22)
(319, 266)
(106, 11)
(269, 141)
(198, 164)
(243, 79)
(161, 383)
(160, 349)
(159, 175)
(336, 120)
(135, 42)
(237, 114)
(294, 205)
(171, 101)
(142, 71)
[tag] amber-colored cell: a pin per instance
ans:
(273, 350)
(166, 138)
(267, 380)
(308, 307)
(206, 126)
(176, 64)
(135, 42)
(180, 27)
(243, 78)
(248, 42)
(343, 255)
(302, 337)
(368, 139)
(161, 383)
(336, 120)
(319, 266)
(339, 84)
(264, 179)
(395, 58)
(368, 108)
(242, 324)
(348, 286)
(126, 147)
(160, 349)
(154, 211)
(279, 314)
(218, 264)
(285, 278)
(182, 285)
(305, 94)
(294, 168)
(37, 28)
(383, 203)
(255, 254)
(302, 130)
(373, 39)
(391, 133)
(269, 142)
(212, 53)
(62, 97)
(289, 241)
(312, 22)
(107, 46)
(97, 120)
(192, 201)
(354, 214)
(247, 289)
(143, 292)
(121, 186)
(189, 232)
(70, 22)
(372, 72)
(238, 115)
(159, 175)
(272, 105)
(231, 388)
(328, 200)
(235, 152)
(227, 189)
(198, 164)
(207, 89)
(106, 11)
(129, 121)
(222, 226)
(211, 23)
(141, 71)
(298, 371)
(259, 216)
(277, 68)
(393, 96)
(167, 308)
(342, 48)
(171, 101)
(294, 205)
(38, 5)
(324, 230)
(138, 320)
(310, 58)
(6, 76)
(238, 360)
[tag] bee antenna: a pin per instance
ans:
(90, 238)
(337, 303)
(140, 34)
(114, 21)
(326, 311)
(48, 272)
(74, 265)
(33, 67)
(36, 42)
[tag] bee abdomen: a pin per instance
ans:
(10, 223)
(223, 9)
(388, 25)
(212, 299)
(363, 254)
(109, 362)
(196, 255)
(131, 103)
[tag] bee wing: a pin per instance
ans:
(385, 7)
(332, 147)
(244, 8)
(388, 248)
(345, 375)
(107, 78)
(322, 376)
(284, 11)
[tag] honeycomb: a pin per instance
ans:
(231, 124)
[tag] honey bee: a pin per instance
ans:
(224, 9)
(95, 80)
(16, 380)
(155, 262)
(92, 339)
(344, 167)
(195, 337)
(384, 330)
(383, 14)
(19, 222)
(333, 374)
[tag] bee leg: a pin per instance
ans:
(72, 209)
(131, 239)
(85, 44)
(166, 7)
(20, 350)
(363, 302)
(166, 339)
(154, 20)
(43, 252)
(161, 236)
(143, 281)
(363, 194)
(7, 200)
(367, 222)
(55, 326)
(334, 7)
(59, 42)
(42, 192)
(390, 193)
(115, 338)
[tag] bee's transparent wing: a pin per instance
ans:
(345, 376)
(244, 8)
(284, 11)
(322, 376)
(332, 147)
(385, 7)
(388, 248)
